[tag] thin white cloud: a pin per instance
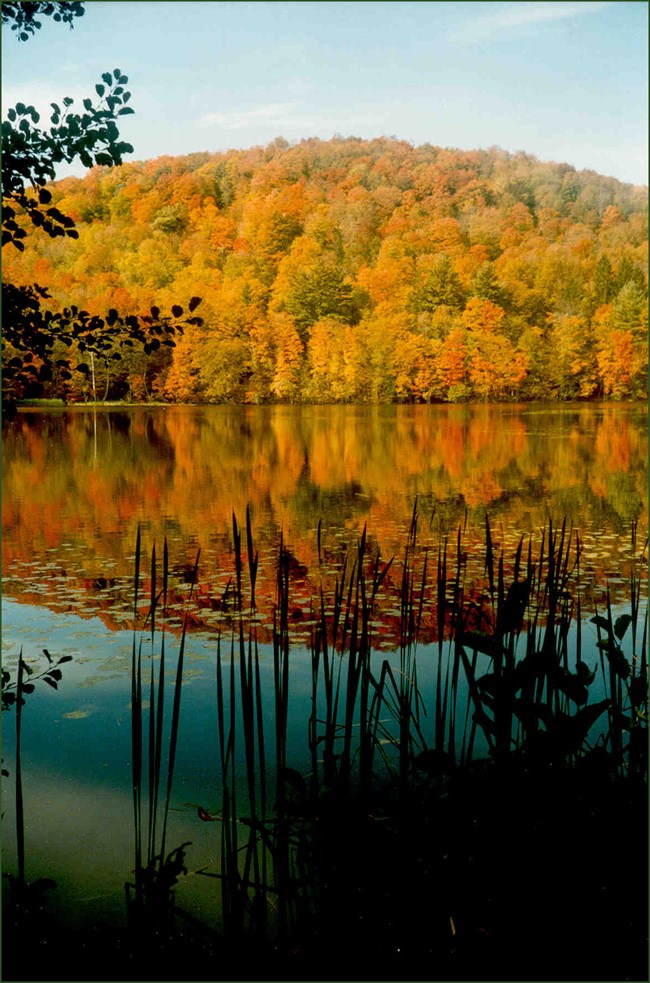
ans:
(539, 12)
(285, 118)
(513, 15)
(273, 113)
(40, 95)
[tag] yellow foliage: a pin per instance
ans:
(237, 228)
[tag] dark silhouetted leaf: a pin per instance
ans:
(585, 674)
(621, 625)
(638, 690)
(481, 642)
(585, 718)
(600, 622)
(433, 762)
(571, 686)
(295, 780)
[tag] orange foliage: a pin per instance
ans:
(482, 315)
(391, 275)
(451, 361)
(468, 263)
(618, 363)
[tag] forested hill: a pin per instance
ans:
(354, 270)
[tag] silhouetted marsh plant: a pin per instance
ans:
(241, 865)
(150, 901)
(388, 739)
(358, 845)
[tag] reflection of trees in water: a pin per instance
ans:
(77, 484)
(346, 502)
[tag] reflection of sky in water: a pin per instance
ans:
(77, 752)
(76, 757)
(84, 728)
(80, 835)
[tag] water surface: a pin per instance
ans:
(78, 483)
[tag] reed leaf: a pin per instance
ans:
(20, 806)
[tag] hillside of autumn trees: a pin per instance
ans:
(356, 271)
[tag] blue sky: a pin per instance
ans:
(565, 81)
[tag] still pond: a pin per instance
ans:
(77, 485)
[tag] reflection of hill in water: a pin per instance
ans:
(211, 608)
(77, 484)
